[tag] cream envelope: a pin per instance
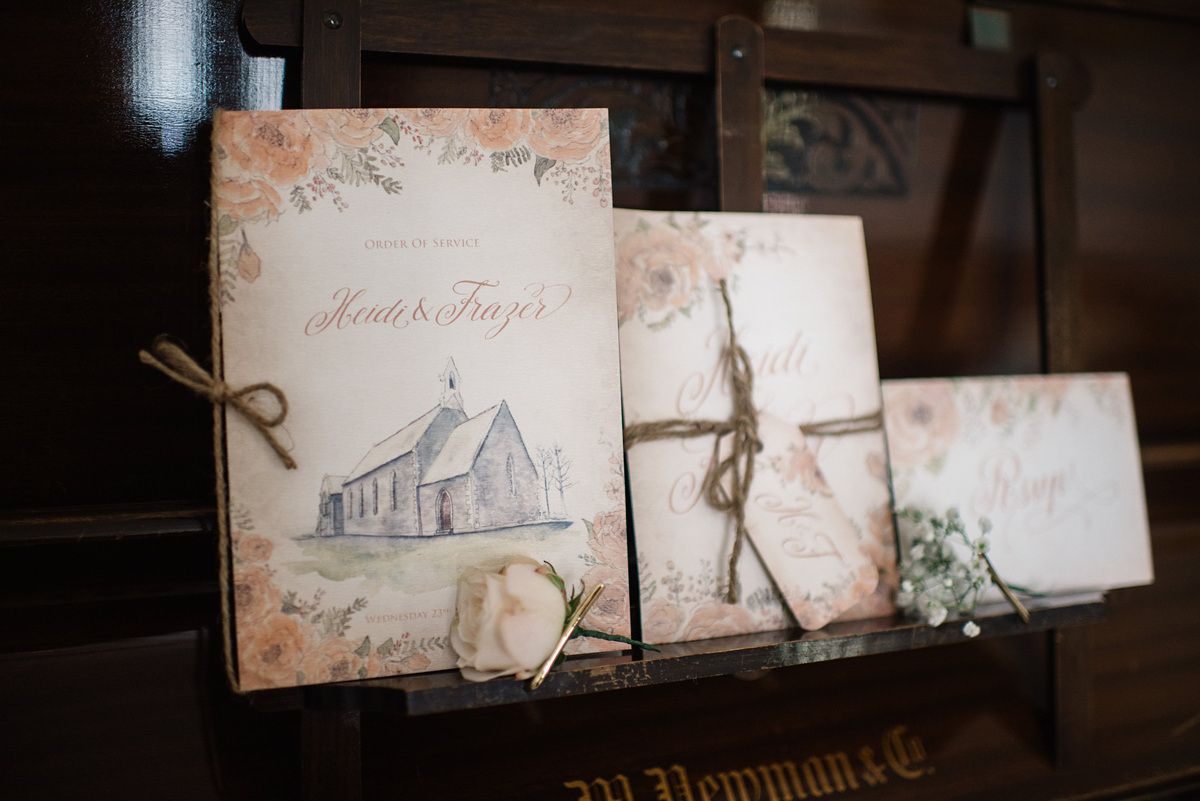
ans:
(433, 291)
(1051, 461)
(801, 303)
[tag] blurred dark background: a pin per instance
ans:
(109, 671)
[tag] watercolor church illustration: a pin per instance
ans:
(443, 473)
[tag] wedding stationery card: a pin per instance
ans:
(433, 291)
(818, 509)
(1052, 461)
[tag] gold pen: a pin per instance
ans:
(572, 624)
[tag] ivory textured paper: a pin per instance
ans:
(432, 289)
(801, 304)
(1051, 461)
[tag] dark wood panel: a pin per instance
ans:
(143, 737)
(105, 244)
(1137, 203)
(1179, 9)
(832, 59)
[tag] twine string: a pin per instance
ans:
(738, 465)
(843, 426)
(171, 360)
(742, 426)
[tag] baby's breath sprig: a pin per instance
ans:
(936, 581)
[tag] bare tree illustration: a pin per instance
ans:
(560, 475)
(545, 464)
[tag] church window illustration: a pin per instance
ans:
(448, 473)
(445, 513)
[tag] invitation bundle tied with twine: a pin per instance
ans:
(752, 411)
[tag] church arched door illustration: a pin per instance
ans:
(445, 513)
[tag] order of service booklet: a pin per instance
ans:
(433, 292)
(818, 510)
(1051, 461)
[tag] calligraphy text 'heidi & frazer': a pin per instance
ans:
(480, 303)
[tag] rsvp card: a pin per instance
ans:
(433, 291)
(818, 510)
(1052, 461)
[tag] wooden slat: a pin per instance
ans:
(97, 523)
(332, 63)
(1072, 696)
(863, 62)
(1171, 455)
(1056, 89)
(331, 739)
(739, 59)
(455, 28)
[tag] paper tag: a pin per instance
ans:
(803, 537)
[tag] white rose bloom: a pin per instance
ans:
(507, 622)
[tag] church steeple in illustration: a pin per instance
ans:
(451, 397)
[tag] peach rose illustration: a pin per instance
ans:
(247, 201)
(498, 128)
(718, 620)
(611, 611)
(1000, 412)
(877, 466)
(733, 248)
(661, 621)
(272, 145)
(331, 660)
(608, 538)
(436, 121)
(662, 265)
(253, 548)
(249, 265)
(353, 128)
(921, 422)
(415, 663)
(800, 464)
(254, 595)
(879, 526)
(629, 285)
(568, 135)
(1050, 388)
(270, 655)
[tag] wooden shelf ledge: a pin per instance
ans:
(447, 691)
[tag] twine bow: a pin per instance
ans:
(739, 464)
(172, 361)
